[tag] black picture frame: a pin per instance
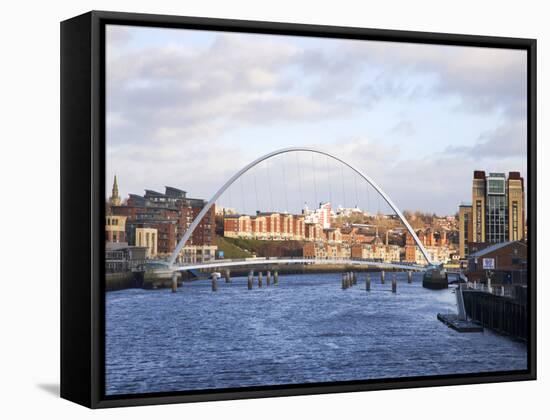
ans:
(82, 205)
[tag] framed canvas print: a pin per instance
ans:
(255, 209)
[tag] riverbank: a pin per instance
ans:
(152, 280)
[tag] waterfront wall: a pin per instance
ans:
(121, 281)
(500, 313)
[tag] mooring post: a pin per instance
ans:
(259, 279)
(174, 281)
(214, 282)
(367, 283)
(344, 281)
(382, 277)
(409, 276)
(268, 278)
(394, 284)
(250, 280)
(227, 276)
(276, 277)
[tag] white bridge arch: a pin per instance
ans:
(218, 193)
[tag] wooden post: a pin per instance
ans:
(250, 281)
(228, 276)
(409, 276)
(382, 277)
(268, 278)
(214, 282)
(175, 276)
(276, 278)
(367, 283)
(394, 284)
(344, 281)
(259, 279)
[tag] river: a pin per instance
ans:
(306, 329)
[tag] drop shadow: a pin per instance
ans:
(52, 389)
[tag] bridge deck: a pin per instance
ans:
(287, 261)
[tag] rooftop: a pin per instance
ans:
(493, 248)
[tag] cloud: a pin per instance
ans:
(403, 128)
(171, 108)
(506, 140)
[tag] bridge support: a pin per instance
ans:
(259, 279)
(382, 277)
(228, 276)
(394, 284)
(175, 276)
(276, 278)
(409, 277)
(367, 283)
(214, 282)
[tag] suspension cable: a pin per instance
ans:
(314, 180)
(285, 187)
(256, 191)
(300, 181)
(356, 195)
(269, 186)
(343, 186)
(329, 183)
(243, 198)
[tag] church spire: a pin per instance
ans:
(115, 198)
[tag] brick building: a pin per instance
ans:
(509, 260)
(170, 213)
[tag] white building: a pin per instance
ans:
(321, 216)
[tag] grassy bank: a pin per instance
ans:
(262, 248)
(231, 250)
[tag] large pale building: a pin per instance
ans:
(498, 207)
(148, 238)
(115, 229)
(321, 215)
(465, 229)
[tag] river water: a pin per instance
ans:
(306, 329)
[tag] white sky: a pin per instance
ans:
(189, 108)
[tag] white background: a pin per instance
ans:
(29, 228)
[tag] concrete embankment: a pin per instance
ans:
(141, 280)
(500, 313)
(121, 281)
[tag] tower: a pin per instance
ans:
(478, 207)
(115, 200)
(516, 207)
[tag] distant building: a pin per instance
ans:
(376, 251)
(121, 257)
(192, 254)
(321, 215)
(465, 229)
(324, 250)
(498, 207)
(115, 200)
(265, 226)
(147, 238)
(435, 243)
(115, 228)
(171, 214)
